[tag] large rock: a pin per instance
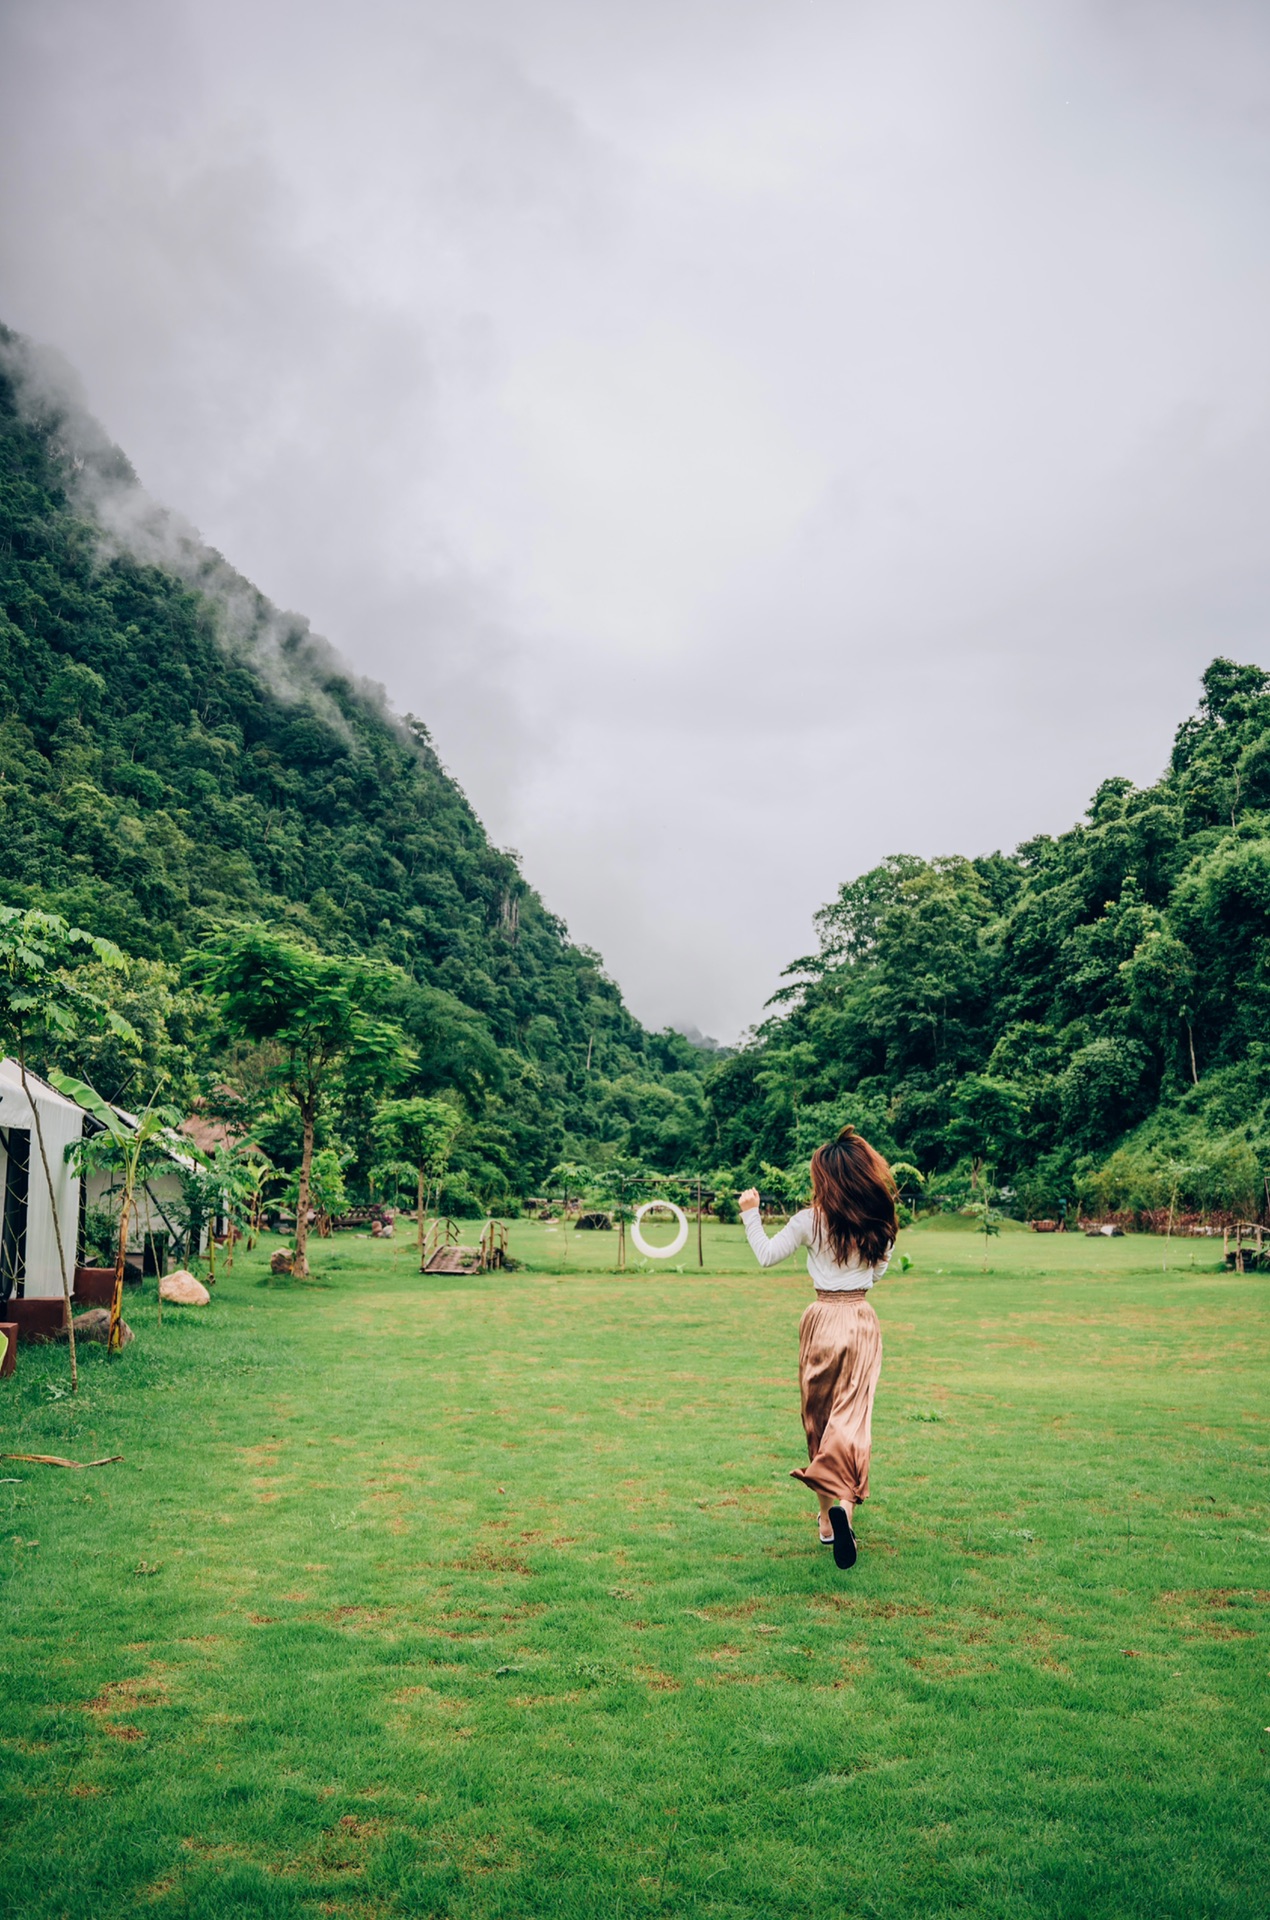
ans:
(183, 1290)
(283, 1261)
(95, 1325)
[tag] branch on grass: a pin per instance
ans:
(55, 1460)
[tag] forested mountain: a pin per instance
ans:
(1086, 1017)
(175, 754)
(1083, 1018)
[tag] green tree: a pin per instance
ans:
(983, 1210)
(985, 1119)
(320, 1015)
(418, 1133)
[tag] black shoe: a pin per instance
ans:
(843, 1538)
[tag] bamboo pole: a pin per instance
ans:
(621, 1223)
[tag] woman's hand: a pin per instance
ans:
(749, 1200)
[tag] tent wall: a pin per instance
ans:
(43, 1279)
(164, 1215)
(62, 1122)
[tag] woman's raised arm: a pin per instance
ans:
(767, 1252)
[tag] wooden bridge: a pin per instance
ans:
(444, 1252)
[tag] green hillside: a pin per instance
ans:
(1085, 1019)
(1088, 1016)
(175, 754)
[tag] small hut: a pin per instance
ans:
(28, 1242)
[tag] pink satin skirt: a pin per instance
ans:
(839, 1360)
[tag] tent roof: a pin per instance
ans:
(15, 1106)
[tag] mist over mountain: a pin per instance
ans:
(178, 754)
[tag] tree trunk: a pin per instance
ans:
(1190, 1041)
(115, 1340)
(57, 1225)
(300, 1264)
(701, 1258)
(419, 1211)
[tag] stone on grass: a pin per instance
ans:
(95, 1325)
(183, 1290)
(283, 1261)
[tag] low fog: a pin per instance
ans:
(755, 437)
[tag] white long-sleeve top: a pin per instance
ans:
(800, 1231)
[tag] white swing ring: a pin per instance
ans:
(680, 1240)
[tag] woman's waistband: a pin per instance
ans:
(843, 1293)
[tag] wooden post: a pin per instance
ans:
(1239, 1247)
(621, 1223)
(701, 1258)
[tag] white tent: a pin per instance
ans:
(28, 1244)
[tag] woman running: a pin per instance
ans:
(849, 1230)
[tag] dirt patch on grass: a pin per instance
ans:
(743, 1610)
(133, 1695)
(548, 1699)
(948, 1666)
(483, 1560)
(213, 1849)
(360, 1619)
(353, 1827)
(656, 1681)
(1197, 1610)
(870, 1609)
(1217, 1597)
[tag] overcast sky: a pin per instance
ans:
(756, 435)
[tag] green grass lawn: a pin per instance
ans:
(492, 1596)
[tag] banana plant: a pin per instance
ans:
(230, 1186)
(131, 1146)
(259, 1173)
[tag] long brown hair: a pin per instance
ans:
(853, 1192)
